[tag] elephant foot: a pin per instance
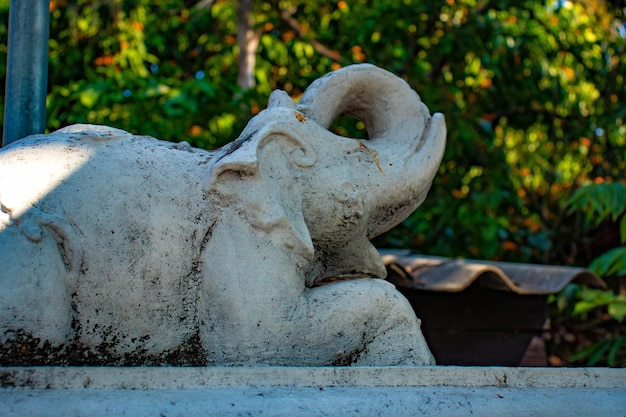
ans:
(402, 344)
(372, 325)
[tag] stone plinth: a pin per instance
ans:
(306, 391)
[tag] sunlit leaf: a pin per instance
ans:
(617, 310)
(89, 97)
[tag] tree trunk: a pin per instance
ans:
(248, 41)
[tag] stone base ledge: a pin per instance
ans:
(345, 391)
(154, 378)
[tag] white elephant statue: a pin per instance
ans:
(118, 249)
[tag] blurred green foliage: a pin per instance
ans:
(533, 92)
(588, 327)
(603, 343)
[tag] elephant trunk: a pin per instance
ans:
(407, 144)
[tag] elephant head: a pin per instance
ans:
(351, 190)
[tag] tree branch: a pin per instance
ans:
(287, 16)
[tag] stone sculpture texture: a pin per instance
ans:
(118, 249)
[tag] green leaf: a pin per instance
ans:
(618, 202)
(597, 352)
(617, 344)
(586, 352)
(89, 97)
(602, 201)
(617, 310)
(598, 202)
(610, 263)
(590, 299)
(583, 307)
(596, 356)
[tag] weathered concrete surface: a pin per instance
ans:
(275, 391)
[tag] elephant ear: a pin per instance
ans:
(254, 177)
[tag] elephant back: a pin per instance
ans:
(126, 217)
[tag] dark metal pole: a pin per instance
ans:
(27, 69)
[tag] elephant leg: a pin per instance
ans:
(268, 316)
(34, 300)
(361, 322)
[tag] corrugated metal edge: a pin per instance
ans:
(432, 273)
